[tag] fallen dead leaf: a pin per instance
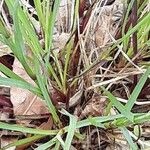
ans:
(95, 107)
(24, 102)
(5, 141)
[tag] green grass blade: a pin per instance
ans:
(19, 43)
(103, 119)
(23, 141)
(126, 16)
(128, 138)
(30, 35)
(26, 28)
(118, 105)
(41, 17)
(47, 145)
(75, 15)
(57, 145)
(6, 71)
(20, 128)
(71, 130)
(20, 84)
(52, 72)
(94, 123)
(50, 22)
(60, 70)
(133, 97)
(41, 81)
(68, 53)
(3, 30)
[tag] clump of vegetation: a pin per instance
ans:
(84, 85)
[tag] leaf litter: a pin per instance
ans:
(100, 26)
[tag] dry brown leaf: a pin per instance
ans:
(95, 107)
(5, 141)
(108, 23)
(4, 49)
(47, 125)
(24, 102)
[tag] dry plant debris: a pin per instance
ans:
(99, 25)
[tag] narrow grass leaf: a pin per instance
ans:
(51, 71)
(126, 16)
(40, 14)
(3, 29)
(26, 28)
(59, 66)
(142, 118)
(75, 15)
(128, 138)
(19, 43)
(10, 73)
(57, 145)
(86, 122)
(41, 82)
(59, 138)
(71, 130)
(24, 141)
(95, 123)
(46, 145)
(68, 48)
(50, 22)
(20, 84)
(118, 105)
(19, 128)
(137, 90)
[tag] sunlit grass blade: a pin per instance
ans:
(60, 70)
(118, 105)
(23, 141)
(26, 26)
(20, 84)
(133, 97)
(3, 29)
(40, 14)
(71, 130)
(9, 73)
(102, 119)
(128, 138)
(19, 43)
(94, 123)
(76, 15)
(41, 81)
(50, 22)
(52, 73)
(68, 48)
(47, 145)
(14, 127)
